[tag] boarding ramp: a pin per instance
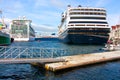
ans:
(16, 54)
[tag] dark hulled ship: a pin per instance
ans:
(84, 25)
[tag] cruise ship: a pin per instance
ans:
(21, 30)
(84, 25)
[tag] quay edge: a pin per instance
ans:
(82, 60)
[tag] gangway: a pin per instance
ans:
(16, 54)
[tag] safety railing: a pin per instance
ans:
(16, 52)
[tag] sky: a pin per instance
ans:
(46, 14)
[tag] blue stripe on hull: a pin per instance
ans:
(77, 37)
(83, 39)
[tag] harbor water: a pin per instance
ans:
(102, 71)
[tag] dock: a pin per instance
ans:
(82, 60)
(29, 61)
(50, 59)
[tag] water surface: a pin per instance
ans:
(102, 71)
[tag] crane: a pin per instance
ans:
(2, 20)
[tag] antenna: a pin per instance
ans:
(24, 17)
(2, 18)
(19, 17)
(0, 12)
(119, 21)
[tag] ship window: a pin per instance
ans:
(101, 18)
(82, 9)
(87, 22)
(87, 13)
(95, 9)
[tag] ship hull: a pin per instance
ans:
(24, 32)
(78, 36)
(24, 39)
(4, 41)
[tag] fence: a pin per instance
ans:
(31, 52)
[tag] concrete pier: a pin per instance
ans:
(28, 60)
(82, 60)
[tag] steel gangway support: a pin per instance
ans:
(16, 54)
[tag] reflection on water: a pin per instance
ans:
(76, 49)
(102, 71)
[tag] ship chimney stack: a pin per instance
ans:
(69, 5)
(79, 6)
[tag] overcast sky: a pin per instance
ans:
(46, 14)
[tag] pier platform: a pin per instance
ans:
(28, 60)
(82, 60)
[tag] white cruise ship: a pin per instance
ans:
(84, 25)
(21, 30)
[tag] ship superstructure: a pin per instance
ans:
(84, 25)
(21, 30)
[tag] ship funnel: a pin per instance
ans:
(79, 6)
(69, 5)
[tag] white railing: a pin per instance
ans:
(16, 52)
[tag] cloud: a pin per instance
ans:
(44, 28)
(7, 21)
(41, 3)
(58, 3)
(13, 7)
(36, 27)
(102, 3)
(113, 19)
(18, 5)
(62, 4)
(49, 17)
